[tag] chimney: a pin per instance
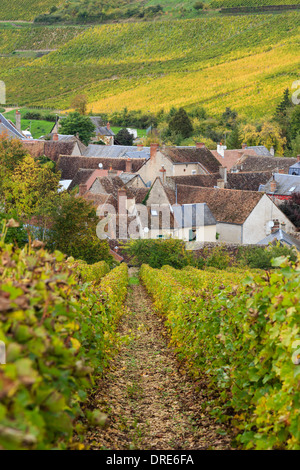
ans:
(108, 126)
(273, 185)
(140, 147)
(272, 151)
(55, 137)
(244, 146)
(220, 149)
(18, 120)
(163, 171)
(122, 199)
(82, 189)
(221, 184)
(281, 171)
(200, 145)
(283, 226)
(112, 172)
(153, 150)
(223, 173)
(276, 226)
(298, 158)
(128, 165)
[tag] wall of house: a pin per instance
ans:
(157, 195)
(187, 169)
(150, 170)
(229, 233)
(256, 227)
(203, 234)
(76, 151)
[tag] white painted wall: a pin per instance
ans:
(229, 233)
(256, 226)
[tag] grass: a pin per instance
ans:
(140, 132)
(38, 128)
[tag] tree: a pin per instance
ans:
(180, 124)
(235, 138)
(250, 135)
(123, 137)
(229, 118)
(295, 146)
(76, 123)
(73, 229)
(29, 188)
(79, 103)
(295, 122)
(271, 136)
(285, 103)
(11, 154)
(198, 6)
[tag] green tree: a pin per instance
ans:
(124, 137)
(235, 138)
(180, 124)
(295, 122)
(29, 188)
(11, 154)
(76, 123)
(73, 229)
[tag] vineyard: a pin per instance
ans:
(58, 322)
(238, 332)
(242, 61)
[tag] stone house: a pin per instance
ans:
(177, 161)
(243, 217)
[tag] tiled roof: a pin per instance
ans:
(260, 150)
(81, 177)
(231, 156)
(69, 165)
(243, 181)
(227, 205)
(249, 163)
(203, 156)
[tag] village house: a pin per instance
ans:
(9, 129)
(241, 181)
(278, 235)
(243, 217)
(103, 133)
(176, 161)
(295, 168)
(117, 151)
(248, 163)
(281, 186)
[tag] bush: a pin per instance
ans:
(260, 257)
(158, 253)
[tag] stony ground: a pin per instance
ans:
(151, 404)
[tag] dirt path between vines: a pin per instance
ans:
(151, 404)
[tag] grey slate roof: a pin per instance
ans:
(282, 237)
(295, 168)
(193, 215)
(100, 129)
(260, 150)
(6, 126)
(285, 184)
(115, 151)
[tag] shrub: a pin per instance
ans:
(158, 253)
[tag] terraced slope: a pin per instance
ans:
(243, 61)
